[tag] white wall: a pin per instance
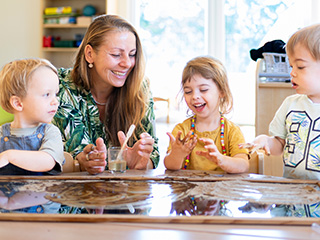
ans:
(20, 29)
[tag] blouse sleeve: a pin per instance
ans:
(72, 117)
(149, 125)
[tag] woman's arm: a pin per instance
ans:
(77, 117)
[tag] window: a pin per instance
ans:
(170, 40)
(173, 32)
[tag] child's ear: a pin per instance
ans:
(16, 103)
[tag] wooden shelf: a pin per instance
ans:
(64, 56)
(57, 49)
(269, 97)
(275, 85)
(64, 25)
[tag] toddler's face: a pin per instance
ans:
(305, 74)
(41, 104)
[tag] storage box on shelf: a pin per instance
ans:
(63, 26)
(274, 67)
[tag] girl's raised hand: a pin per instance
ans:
(213, 153)
(183, 146)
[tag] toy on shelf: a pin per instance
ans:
(59, 15)
(57, 10)
(89, 10)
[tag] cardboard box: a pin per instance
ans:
(84, 20)
(64, 43)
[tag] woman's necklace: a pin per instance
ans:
(98, 103)
(193, 125)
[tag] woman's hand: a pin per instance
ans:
(93, 158)
(138, 156)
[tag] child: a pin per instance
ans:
(207, 140)
(29, 144)
(295, 128)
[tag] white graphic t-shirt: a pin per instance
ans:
(298, 122)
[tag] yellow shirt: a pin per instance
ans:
(232, 137)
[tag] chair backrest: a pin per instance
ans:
(5, 117)
(70, 164)
(256, 162)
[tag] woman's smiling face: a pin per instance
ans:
(114, 59)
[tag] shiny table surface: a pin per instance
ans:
(33, 228)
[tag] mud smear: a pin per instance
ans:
(115, 194)
(263, 193)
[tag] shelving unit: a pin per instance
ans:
(64, 56)
(269, 97)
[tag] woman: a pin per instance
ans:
(104, 94)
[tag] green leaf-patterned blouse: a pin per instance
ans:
(78, 118)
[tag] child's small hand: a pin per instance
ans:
(213, 153)
(252, 147)
(185, 145)
(260, 142)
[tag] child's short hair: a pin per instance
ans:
(210, 68)
(309, 37)
(15, 76)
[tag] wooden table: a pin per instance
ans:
(44, 226)
(145, 231)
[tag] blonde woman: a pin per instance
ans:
(104, 94)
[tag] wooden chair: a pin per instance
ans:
(256, 162)
(266, 165)
(70, 164)
(156, 99)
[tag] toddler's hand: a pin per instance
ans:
(252, 147)
(260, 142)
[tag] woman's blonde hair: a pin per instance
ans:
(211, 69)
(126, 105)
(309, 37)
(15, 77)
